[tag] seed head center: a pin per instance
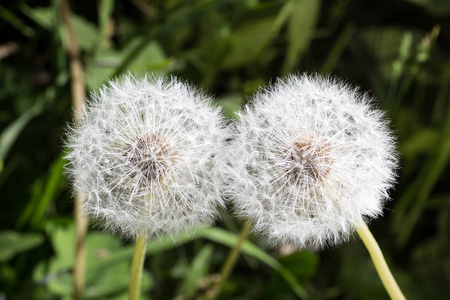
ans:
(150, 157)
(308, 161)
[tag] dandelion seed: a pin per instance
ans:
(145, 155)
(311, 160)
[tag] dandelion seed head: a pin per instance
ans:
(307, 162)
(145, 155)
(312, 158)
(150, 157)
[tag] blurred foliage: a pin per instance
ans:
(396, 50)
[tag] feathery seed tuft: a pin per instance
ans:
(145, 155)
(310, 160)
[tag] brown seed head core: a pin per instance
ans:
(309, 161)
(151, 157)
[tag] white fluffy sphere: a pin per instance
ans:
(145, 155)
(312, 158)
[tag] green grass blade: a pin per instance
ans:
(230, 239)
(10, 134)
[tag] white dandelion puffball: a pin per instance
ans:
(145, 156)
(311, 160)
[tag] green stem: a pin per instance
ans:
(79, 270)
(380, 264)
(230, 262)
(137, 265)
(78, 92)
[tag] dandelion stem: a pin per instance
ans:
(78, 94)
(79, 269)
(380, 263)
(230, 262)
(137, 265)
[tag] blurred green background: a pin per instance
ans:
(396, 50)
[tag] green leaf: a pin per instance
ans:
(338, 48)
(86, 33)
(10, 134)
(165, 242)
(302, 22)
(247, 41)
(44, 16)
(105, 11)
(197, 271)
(151, 57)
(423, 186)
(109, 63)
(230, 239)
(100, 248)
(142, 54)
(107, 265)
(16, 22)
(156, 246)
(302, 264)
(104, 277)
(13, 243)
(422, 141)
(435, 7)
(108, 262)
(358, 274)
(103, 67)
(43, 194)
(63, 241)
(431, 260)
(230, 104)
(383, 44)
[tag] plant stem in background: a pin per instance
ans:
(76, 68)
(78, 95)
(137, 265)
(380, 264)
(229, 263)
